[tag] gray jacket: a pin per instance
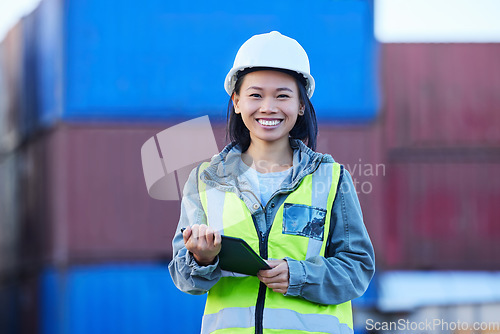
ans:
(342, 275)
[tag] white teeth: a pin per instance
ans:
(269, 123)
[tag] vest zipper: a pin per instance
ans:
(261, 298)
(259, 309)
(263, 250)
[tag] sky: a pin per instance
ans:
(395, 20)
(437, 21)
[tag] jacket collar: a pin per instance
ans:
(225, 169)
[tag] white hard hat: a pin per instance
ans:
(271, 50)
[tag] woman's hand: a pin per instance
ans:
(277, 277)
(203, 242)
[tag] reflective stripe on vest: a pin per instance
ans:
(230, 306)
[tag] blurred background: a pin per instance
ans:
(407, 98)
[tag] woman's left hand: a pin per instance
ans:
(277, 277)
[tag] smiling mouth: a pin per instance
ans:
(266, 122)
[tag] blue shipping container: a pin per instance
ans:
(168, 60)
(370, 297)
(116, 299)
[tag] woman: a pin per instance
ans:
(295, 207)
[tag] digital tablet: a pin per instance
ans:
(236, 255)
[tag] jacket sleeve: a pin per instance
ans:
(346, 271)
(187, 275)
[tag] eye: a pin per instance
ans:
(283, 96)
(255, 95)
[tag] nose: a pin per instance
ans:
(268, 105)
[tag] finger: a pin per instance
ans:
(280, 278)
(281, 287)
(278, 285)
(262, 274)
(281, 290)
(267, 280)
(273, 263)
(217, 239)
(281, 267)
(269, 273)
(209, 236)
(202, 237)
(186, 234)
(195, 231)
(202, 231)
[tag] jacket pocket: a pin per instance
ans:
(304, 220)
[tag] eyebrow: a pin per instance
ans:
(277, 89)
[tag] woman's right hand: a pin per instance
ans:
(203, 242)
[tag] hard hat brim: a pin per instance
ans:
(231, 79)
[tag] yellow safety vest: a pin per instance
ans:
(242, 304)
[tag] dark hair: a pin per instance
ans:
(305, 128)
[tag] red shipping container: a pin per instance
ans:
(359, 148)
(441, 95)
(85, 198)
(443, 215)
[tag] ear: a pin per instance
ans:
(236, 99)
(302, 107)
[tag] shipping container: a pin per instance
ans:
(29, 302)
(116, 299)
(442, 214)
(370, 297)
(84, 198)
(359, 149)
(9, 213)
(11, 51)
(93, 65)
(19, 304)
(28, 107)
(407, 290)
(49, 59)
(441, 95)
(33, 224)
(9, 308)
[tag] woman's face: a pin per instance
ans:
(269, 105)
